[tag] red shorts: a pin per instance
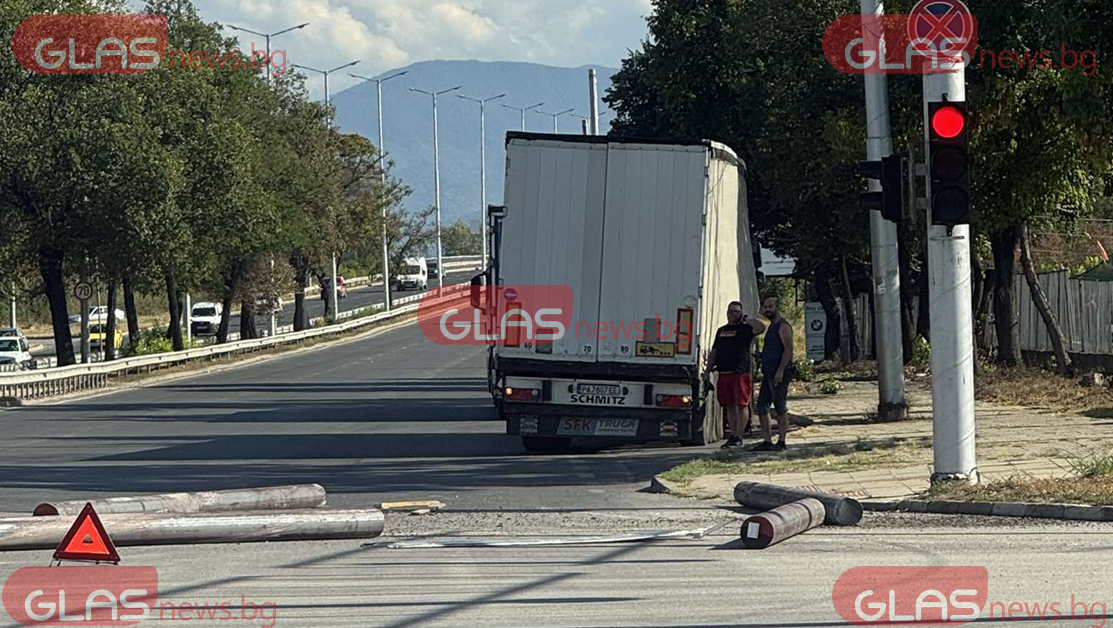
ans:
(734, 389)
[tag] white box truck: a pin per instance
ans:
(654, 240)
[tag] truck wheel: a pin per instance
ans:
(710, 431)
(545, 444)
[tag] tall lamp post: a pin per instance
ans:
(482, 170)
(437, 175)
(268, 38)
(382, 169)
(556, 116)
(328, 122)
(523, 110)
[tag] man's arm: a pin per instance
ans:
(756, 325)
(786, 357)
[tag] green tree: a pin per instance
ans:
(459, 239)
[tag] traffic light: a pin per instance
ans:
(890, 200)
(949, 163)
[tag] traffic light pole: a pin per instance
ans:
(952, 338)
(891, 404)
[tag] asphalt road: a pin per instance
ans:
(397, 417)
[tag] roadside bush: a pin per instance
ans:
(152, 341)
(1092, 465)
(921, 353)
(830, 387)
(805, 369)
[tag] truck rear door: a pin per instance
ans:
(652, 243)
(553, 233)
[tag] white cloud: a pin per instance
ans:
(386, 34)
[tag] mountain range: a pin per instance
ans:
(408, 123)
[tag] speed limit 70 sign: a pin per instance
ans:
(83, 291)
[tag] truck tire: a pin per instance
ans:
(710, 431)
(545, 444)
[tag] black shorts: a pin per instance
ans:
(775, 395)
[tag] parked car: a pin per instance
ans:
(97, 335)
(14, 350)
(413, 275)
(205, 318)
(97, 315)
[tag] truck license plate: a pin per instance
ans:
(599, 389)
(579, 426)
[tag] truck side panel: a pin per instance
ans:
(553, 231)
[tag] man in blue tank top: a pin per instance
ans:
(776, 371)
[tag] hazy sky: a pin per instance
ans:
(386, 34)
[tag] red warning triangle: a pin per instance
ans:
(87, 540)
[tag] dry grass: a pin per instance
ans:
(1039, 388)
(838, 457)
(1090, 490)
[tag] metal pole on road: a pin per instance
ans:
(891, 404)
(382, 170)
(437, 175)
(593, 113)
(189, 315)
(11, 312)
(952, 337)
(328, 122)
(482, 171)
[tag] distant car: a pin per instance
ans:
(97, 334)
(97, 315)
(434, 270)
(10, 332)
(414, 274)
(268, 306)
(14, 350)
(205, 318)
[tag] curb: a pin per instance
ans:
(660, 486)
(1067, 512)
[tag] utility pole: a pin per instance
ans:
(266, 36)
(523, 110)
(382, 171)
(437, 175)
(891, 404)
(593, 112)
(952, 338)
(555, 117)
(482, 171)
(189, 317)
(11, 312)
(328, 123)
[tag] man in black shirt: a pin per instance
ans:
(730, 356)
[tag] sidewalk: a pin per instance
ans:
(844, 453)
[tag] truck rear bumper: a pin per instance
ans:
(625, 424)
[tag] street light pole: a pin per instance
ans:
(482, 171)
(267, 37)
(555, 117)
(523, 110)
(328, 123)
(437, 176)
(382, 170)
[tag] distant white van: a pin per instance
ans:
(413, 275)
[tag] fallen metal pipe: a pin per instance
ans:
(783, 522)
(265, 498)
(188, 528)
(567, 540)
(841, 511)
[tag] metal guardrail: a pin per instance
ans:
(37, 384)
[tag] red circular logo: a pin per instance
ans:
(940, 29)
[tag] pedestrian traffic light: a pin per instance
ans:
(949, 163)
(890, 200)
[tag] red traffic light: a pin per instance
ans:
(948, 122)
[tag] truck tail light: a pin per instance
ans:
(684, 330)
(674, 401)
(522, 394)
